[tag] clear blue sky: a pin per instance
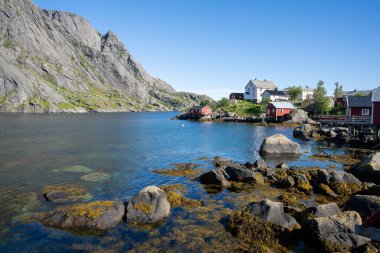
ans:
(215, 46)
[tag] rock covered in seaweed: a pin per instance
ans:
(239, 174)
(98, 215)
(336, 233)
(61, 193)
(149, 205)
(279, 144)
(216, 177)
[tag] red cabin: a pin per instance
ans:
(237, 96)
(376, 107)
(201, 110)
(359, 106)
(277, 110)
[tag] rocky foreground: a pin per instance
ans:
(345, 200)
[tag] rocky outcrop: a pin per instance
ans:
(215, 177)
(272, 212)
(99, 215)
(368, 169)
(279, 144)
(150, 205)
(303, 132)
(52, 61)
(244, 175)
(365, 205)
(336, 233)
(325, 210)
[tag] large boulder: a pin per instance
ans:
(150, 205)
(272, 212)
(336, 232)
(364, 204)
(98, 215)
(368, 169)
(303, 132)
(244, 175)
(279, 144)
(215, 177)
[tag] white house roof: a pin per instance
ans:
(263, 84)
(283, 105)
(376, 95)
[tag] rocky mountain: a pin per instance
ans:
(52, 61)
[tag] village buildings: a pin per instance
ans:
(200, 111)
(255, 88)
(278, 110)
(275, 95)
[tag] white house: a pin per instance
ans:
(307, 93)
(275, 95)
(255, 88)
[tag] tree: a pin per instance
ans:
(321, 101)
(360, 94)
(209, 102)
(338, 90)
(294, 92)
(223, 102)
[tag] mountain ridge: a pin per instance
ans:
(55, 61)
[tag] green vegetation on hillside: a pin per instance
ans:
(239, 107)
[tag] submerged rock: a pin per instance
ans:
(95, 177)
(61, 193)
(93, 215)
(279, 144)
(216, 177)
(336, 232)
(368, 169)
(150, 205)
(74, 169)
(365, 205)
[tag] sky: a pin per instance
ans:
(215, 47)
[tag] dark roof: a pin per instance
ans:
(236, 93)
(359, 101)
(198, 107)
(276, 93)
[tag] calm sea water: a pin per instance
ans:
(127, 146)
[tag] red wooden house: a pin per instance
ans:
(277, 110)
(237, 96)
(359, 106)
(376, 107)
(200, 111)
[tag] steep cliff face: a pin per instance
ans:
(52, 61)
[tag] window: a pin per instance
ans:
(274, 110)
(365, 111)
(282, 110)
(268, 111)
